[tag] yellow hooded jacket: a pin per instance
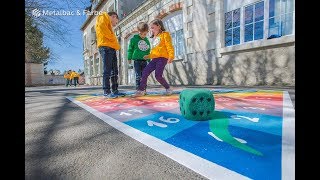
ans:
(74, 74)
(66, 76)
(104, 32)
(162, 46)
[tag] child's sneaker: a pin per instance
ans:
(140, 93)
(106, 92)
(110, 95)
(168, 92)
(117, 93)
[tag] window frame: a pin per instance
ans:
(232, 27)
(91, 67)
(280, 16)
(266, 24)
(97, 66)
(93, 35)
(175, 40)
(85, 47)
(253, 21)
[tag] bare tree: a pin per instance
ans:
(54, 28)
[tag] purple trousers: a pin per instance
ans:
(157, 64)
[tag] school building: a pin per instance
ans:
(217, 42)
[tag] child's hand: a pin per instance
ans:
(146, 57)
(170, 60)
(129, 61)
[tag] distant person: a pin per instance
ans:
(75, 77)
(139, 46)
(161, 54)
(70, 77)
(67, 77)
(108, 44)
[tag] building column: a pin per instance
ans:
(219, 24)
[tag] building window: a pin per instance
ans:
(253, 19)
(96, 67)
(232, 27)
(174, 25)
(84, 42)
(91, 66)
(93, 35)
(86, 67)
(281, 14)
(101, 67)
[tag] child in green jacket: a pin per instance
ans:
(139, 46)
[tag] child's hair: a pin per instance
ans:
(142, 27)
(113, 13)
(158, 22)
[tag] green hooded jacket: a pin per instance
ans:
(138, 48)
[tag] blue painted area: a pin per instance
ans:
(161, 132)
(192, 136)
(267, 123)
(197, 141)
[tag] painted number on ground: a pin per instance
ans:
(163, 125)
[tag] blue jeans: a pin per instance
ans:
(110, 69)
(139, 65)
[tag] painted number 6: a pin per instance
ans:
(169, 120)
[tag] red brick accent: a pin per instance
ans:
(162, 14)
(175, 7)
(172, 8)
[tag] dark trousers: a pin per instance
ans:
(68, 82)
(110, 69)
(75, 81)
(158, 65)
(139, 65)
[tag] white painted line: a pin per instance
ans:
(241, 140)
(202, 166)
(288, 138)
(214, 136)
(218, 139)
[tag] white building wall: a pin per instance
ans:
(206, 59)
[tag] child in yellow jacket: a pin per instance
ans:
(75, 76)
(161, 54)
(108, 44)
(67, 77)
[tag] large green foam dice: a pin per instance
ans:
(196, 104)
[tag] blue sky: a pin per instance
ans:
(70, 57)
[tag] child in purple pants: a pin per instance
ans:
(161, 54)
